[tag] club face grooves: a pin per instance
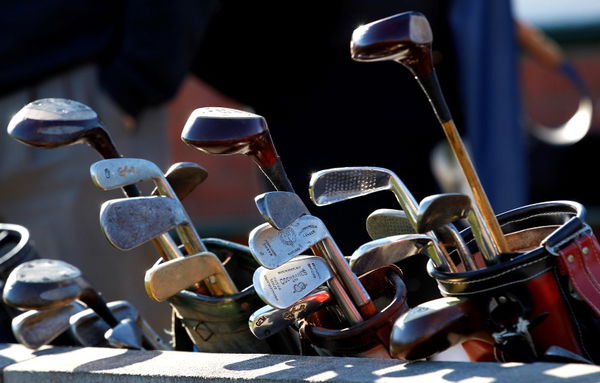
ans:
(339, 184)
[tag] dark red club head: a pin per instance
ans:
(217, 130)
(55, 122)
(405, 38)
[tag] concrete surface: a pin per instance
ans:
(83, 365)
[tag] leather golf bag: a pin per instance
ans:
(541, 297)
(371, 338)
(220, 324)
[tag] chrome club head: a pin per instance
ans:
(280, 208)
(130, 222)
(388, 222)
(387, 251)
(283, 286)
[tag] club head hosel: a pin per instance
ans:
(276, 174)
(430, 85)
(96, 302)
(405, 198)
(483, 238)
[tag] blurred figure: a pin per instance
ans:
(125, 60)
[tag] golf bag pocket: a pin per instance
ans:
(331, 337)
(543, 295)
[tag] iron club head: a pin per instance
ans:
(280, 208)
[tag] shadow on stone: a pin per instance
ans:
(127, 358)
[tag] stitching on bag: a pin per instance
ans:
(504, 285)
(580, 290)
(574, 320)
(499, 275)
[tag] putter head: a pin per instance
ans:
(43, 284)
(166, 279)
(388, 222)
(54, 122)
(269, 320)
(116, 173)
(280, 208)
(217, 130)
(127, 334)
(437, 210)
(405, 38)
(89, 329)
(339, 184)
(130, 222)
(284, 286)
(388, 250)
(272, 248)
(184, 177)
(36, 328)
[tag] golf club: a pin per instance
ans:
(406, 38)
(36, 328)
(383, 223)
(440, 209)
(183, 178)
(90, 330)
(280, 208)
(269, 320)
(130, 222)
(118, 172)
(340, 184)
(387, 251)
(436, 325)
(166, 279)
(284, 286)
(224, 131)
(57, 122)
(272, 248)
(49, 283)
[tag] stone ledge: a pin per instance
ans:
(83, 365)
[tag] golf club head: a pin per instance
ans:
(126, 334)
(36, 328)
(272, 248)
(435, 326)
(54, 122)
(388, 222)
(405, 38)
(269, 320)
(217, 130)
(117, 173)
(166, 279)
(89, 329)
(280, 208)
(284, 286)
(437, 210)
(42, 284)
(129, 222)
(388, 250)
(183, 178)
(340, 184)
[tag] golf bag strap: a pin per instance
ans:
(580, 260)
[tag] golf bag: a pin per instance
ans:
(370, 338)
(15, 248)
(220, 324)
(542, 296)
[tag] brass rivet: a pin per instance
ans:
(571, 258)
(585, 250)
